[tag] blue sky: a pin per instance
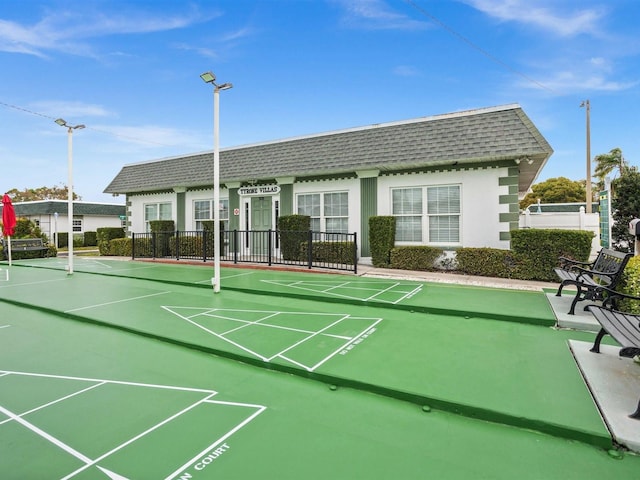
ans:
(129, 71)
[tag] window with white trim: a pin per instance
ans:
(77, 223)
(203, 211)
(329, 211)
(427, 214)
(156, 211)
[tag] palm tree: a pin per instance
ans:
(607, 163)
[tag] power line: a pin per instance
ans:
(38, 114)
(476, 47)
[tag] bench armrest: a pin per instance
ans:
(612, 297)
(569, 263)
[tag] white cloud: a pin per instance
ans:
(69, 31)
(70, 110)
(566, 82)
(153, 136)
(376, 15)
(534, 12)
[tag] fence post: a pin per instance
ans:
(310, 249)
(204, 245)
(133, 246)
(355, 253)
(154, 244)
(177, 245)
(235, 246)
(269, 244)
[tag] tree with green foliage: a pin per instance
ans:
(42, 193)
(625, 205)
(606, 163)
(555, 190)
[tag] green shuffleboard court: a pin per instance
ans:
(135, 370)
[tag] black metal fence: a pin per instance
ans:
(336, 251)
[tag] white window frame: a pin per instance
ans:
(159, 215)
(425, 216)
(320, 216)
(224, 213)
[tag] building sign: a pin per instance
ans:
(259, 190)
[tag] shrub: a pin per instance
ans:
(630, 285)
(190, 246)
(415, 258)
(104, 237)
(90, 239)
(489, 262)
(63, 239)
(382, 237)
(120, 247)
(293, 231)
(329, 252)
(537, 250)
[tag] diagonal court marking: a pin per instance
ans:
(322, 287)
(116, 301)
(4, 326)
(300, 342)
(260, 409)
(45, 435)
(12, 285)
(88, 462)
(53, 402)
(137, 437)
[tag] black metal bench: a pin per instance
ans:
(623, 327)
(29, 245)
(588, 277)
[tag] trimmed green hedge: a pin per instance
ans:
(421, 258)
(120, 247)
(630, 285)
(90, 239)
(104, 237)
(537, 250)
(382, 238)
(330, 252)
(294, 231)
(488, 262)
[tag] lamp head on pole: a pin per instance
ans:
(208, 77)
(63, 123)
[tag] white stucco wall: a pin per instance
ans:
(136, 208)
(479, 194)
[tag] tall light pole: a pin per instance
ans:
(70, 129)
(209, 77)
(588, 185)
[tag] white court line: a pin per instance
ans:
(53, 402)
(225, 277)
(137, 437)
(4, 326)
(116, 382)
(33, 283)
(116, 301)
(260, 408)
(328, 357)
(309, 337)
(216, 335)
(383, 291)
(45, 435)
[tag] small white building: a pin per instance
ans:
(451, 180)
(51, 215)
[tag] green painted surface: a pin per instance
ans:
(509, 368)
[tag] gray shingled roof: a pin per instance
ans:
(475, 136)
(49, 207)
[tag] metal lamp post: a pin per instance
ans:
(587, 106)
(209, 77)
(70, 129)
